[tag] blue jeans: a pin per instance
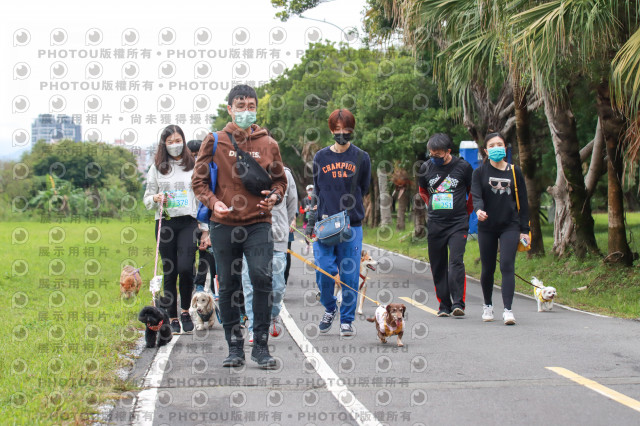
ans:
(277, 282)
(343, 257)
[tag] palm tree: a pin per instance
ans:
(625, 88)
(570, 39)
(474, 63)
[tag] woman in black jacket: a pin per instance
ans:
(494, 201)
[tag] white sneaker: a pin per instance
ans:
(508, 317)
(487, 313)
(250, 338)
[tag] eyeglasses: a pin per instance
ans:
(243, 108)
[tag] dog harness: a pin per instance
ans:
(155, 327)
(540, 298)
(205, 318)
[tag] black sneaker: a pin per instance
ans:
(175, 326)
(444, 314)
(457, 312)
(327, 320)
(187, 324)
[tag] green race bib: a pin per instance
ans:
(177, 198)
(442, 201)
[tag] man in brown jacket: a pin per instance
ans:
(241, 222)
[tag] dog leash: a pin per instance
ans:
(528, 282)
(317, 268)
(309, 240)
(155, 267)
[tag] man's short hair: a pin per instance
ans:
(194, 145)
(344, 117)
(242, 91)
(439, 142)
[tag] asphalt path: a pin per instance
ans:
(558, 367)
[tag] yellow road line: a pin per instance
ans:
(419, 305)
(594, 386)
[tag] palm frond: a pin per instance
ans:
(625, 77)
(558, 31)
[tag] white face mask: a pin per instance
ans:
(174, 150)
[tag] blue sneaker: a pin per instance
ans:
(199, 288)
(327, 320)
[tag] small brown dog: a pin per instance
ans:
(390, 321)
(130, 281)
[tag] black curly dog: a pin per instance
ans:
(157, 326)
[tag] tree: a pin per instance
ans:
(567, 41)
(294, 7)
(392, 97)
(473, 61)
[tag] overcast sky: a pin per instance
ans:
(187, 52)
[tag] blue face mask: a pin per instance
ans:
(437, 161)
(497, 153)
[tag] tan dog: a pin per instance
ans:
(202, 310)
(366, 263)
(390, 321)
(130, 281)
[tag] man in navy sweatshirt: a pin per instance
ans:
(334, 168)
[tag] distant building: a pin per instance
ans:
(51, 128)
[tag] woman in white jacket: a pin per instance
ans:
(169, 178)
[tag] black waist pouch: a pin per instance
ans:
(254, 177)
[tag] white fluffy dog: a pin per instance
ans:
(202, 310)
(544, 295)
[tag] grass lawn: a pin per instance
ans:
(67, 326)
(611, 290)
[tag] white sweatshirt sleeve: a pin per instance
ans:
(152, 188)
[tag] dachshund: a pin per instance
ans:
(389, 321)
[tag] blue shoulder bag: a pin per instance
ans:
(204, 212)
(337, 228)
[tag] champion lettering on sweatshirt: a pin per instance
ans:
(332, 176)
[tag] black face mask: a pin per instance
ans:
(342, 138)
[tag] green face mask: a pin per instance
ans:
(245, 119)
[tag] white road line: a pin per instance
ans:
(569, 308)
(145, 405)
(344, 396)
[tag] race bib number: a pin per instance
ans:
(177, 198)
(442, 201)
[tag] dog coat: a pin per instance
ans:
(381, 317)
(205, 318)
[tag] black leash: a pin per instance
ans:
(528, 282)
